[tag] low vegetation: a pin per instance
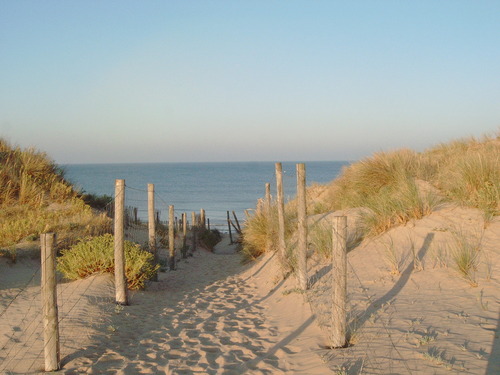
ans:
(260, 233)
(465, 253)
(210, 238)
(96, 255)
(394, 188)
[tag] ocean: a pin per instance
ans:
(215, 187)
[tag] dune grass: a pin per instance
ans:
(35, 198)
(260, 232)
(465, 251)
(397, 187)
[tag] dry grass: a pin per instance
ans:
(398, 187)
(35, 198)
(260, 233)
(465, 253)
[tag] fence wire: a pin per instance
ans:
(85, 306)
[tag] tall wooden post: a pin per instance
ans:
(193, 240)
(229, 227)
(120, 280)
(302, 226)
(268, 198)
(202, 219)
(339, 280)
(238, 227)
(49, 301)
(193, 220)
(184, 235)
(151, 218)
(171, 236)
(281, 212)
(152, 225)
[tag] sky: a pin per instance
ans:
(96, 81)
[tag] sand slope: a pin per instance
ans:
(419, 316)
(410, 315)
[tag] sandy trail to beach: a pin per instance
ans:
(214, 316)
(207, 317)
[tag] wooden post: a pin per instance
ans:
(193, 220)
(171, 236)
(202, 219)
(49, 301)
(302, 226)
(229, 226)
(152, 225)
(151, 218)
(208, 223)
(135, 215)
(120, 280)
(184, 235)
(268, 198)
(237, 223)
(193, 231)
(281, 212)
(339, 280)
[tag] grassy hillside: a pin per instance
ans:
(35, 198)
(393, 188)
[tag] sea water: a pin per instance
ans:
(215, 187)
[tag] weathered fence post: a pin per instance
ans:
(193, 220)
(151, 218)
(171, 236)
(339, 280)
(152, 225)
(268, 198)
(120, 281)
(202, 219)
(229, 227)
(281, 213)
(193, 231)
(302, 226)
(49, 301)
(184, 235)
(238, 227)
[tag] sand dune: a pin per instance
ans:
(214, 316)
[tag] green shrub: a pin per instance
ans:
(96, 255)
(210, 238)
(99, 202)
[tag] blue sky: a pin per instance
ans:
(166, 81)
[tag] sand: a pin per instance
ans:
(215, 316)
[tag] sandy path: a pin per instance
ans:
(206, 317)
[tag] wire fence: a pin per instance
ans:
(84, 306)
